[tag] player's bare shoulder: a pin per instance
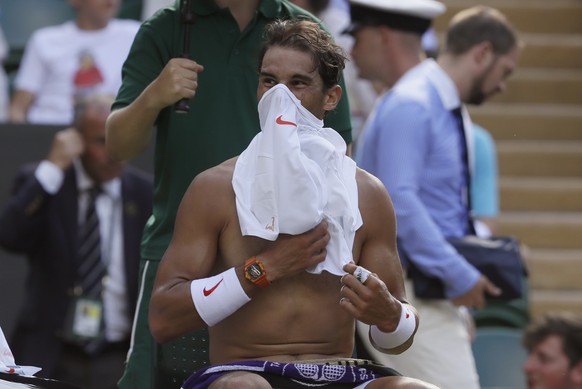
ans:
(373, 198)
(212, 188)
(216, 178)
(370, 187)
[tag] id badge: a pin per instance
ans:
(87, 318)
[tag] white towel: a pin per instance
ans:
(294, 174)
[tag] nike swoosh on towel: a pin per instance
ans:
(283, 122)
(207, 292)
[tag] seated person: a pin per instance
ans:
(554, 346)
(270, 248)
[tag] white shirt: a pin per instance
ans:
(109, 209)
(54, 55)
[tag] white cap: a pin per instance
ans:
(408, 15)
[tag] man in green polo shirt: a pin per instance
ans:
(225, 40)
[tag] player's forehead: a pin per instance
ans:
(279, 60)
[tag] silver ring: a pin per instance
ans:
(362, 274)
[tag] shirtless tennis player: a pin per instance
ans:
(255, 295)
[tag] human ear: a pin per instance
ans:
(483, 53)
(332, 98)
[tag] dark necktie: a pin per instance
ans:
(457, 113)
(91, 268)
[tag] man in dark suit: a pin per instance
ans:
(74, 335)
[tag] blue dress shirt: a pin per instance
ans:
(412, 143)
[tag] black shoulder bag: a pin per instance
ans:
(497, 258)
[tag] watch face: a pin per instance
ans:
(254, 271)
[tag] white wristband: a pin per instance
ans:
(389, 340)
(218, 297)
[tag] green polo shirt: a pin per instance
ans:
(223, 115)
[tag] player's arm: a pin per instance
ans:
(381, 300)
(190, 255)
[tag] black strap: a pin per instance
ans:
(187, 16)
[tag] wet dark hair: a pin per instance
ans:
(479, 24)
(307, 36)
(565, 325)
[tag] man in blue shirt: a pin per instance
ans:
(415, 142)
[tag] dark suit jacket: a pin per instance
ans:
(44, 228)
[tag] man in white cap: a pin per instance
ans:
(402, 25)
(399, 25)
(415, 143)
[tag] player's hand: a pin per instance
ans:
(475, 297)
(178, 80)
(67, 145)
(369, 302)
(293, 254)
